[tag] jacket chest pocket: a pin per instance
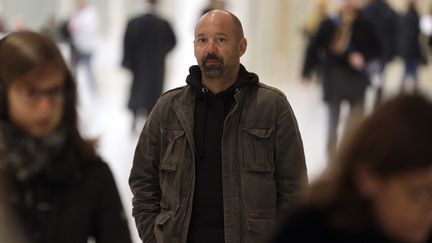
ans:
(173, 150)
(258, 150)
(172, 145)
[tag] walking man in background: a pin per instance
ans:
(83, 28)
(385, 22)
(147, 41)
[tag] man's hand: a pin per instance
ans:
(305, 80)
(356, 60)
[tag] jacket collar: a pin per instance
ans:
(245, 78)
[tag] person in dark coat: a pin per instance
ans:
(212, 5)
(59, 189)
(147, 41)
(379, 188)
(430, 41)
(348, 42)
(385, 21)
(410, 48)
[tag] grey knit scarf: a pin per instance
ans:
(25, 156)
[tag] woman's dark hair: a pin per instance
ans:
(395, 139)
(21, 53)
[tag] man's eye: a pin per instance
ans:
(221, 39)
(201, 41)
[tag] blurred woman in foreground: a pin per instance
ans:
(380, 187)
(58, 189)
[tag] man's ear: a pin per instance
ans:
(242, 46)
(194, 46)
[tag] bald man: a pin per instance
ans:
(219, 158)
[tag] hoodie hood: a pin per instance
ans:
(210, 113)
(215, 106)
(245, 78)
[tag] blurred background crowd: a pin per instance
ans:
(92, 37)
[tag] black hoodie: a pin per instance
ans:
(207, 220)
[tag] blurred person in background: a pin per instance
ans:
(2, 22)
(385, 22)
(426, 23)
(52, 28)
(147, 41)
(410, 48)
(379, 188)
(430, 41)
(348, 42)
(2, 25)
(60, 190)
(313, 21)
(214, 4)
(83, 27)
(318, 13)
(3, 28)
(426, 27)
(17, 23)
(219, 158)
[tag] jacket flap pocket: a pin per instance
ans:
(171, 135)
(168, 166)
(162, 218)
(171, 141)
(259, 225)
(259, 132)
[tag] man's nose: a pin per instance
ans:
(211, 47)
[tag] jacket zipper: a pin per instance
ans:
(241, 223)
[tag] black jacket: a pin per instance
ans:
(207, 221)
(430, 41)
(385, 21)
(363, 40)
(70, 202)
(147, 41)
(409, 44)
(263, 166)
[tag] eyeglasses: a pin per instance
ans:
(32, 96)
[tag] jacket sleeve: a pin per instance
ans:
(291, 172)
(127, 47)
(111, 225)
(430, 41)
(144, 178)
(170, 37)
(316, 45)
(373, 49)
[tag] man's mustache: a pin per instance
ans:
(212, 57)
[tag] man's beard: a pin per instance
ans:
(215, 71)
